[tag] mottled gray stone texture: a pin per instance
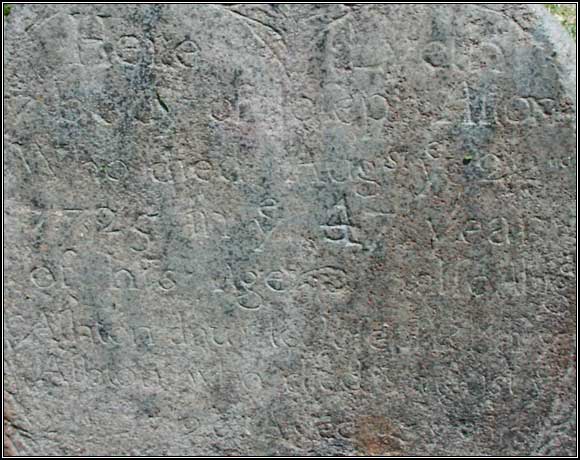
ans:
(289, 230)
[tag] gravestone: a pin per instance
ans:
(289, 230)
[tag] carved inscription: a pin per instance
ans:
(311, 229)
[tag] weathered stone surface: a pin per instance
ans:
(289, 229)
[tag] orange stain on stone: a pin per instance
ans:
(375, 435)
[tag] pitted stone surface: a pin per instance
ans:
(289, 230)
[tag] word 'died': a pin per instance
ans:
(195, 172)
(324, 380)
